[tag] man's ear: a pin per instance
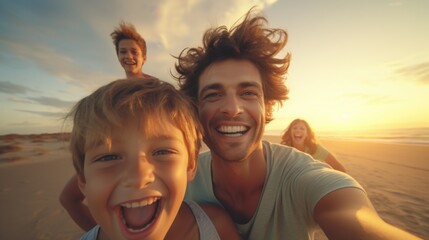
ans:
(192, 169)
(81, 181)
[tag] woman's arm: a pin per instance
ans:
(332, 161)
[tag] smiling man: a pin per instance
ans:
(271, 191)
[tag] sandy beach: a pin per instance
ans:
(34, 169)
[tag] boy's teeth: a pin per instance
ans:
(141, 203)
(139, 215)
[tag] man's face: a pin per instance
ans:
(131, 57)
(231, 108)
(135, 188)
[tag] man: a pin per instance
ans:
(271, 191)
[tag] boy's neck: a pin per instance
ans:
(133, 75)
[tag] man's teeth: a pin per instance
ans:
(234, 130)
(141, 203)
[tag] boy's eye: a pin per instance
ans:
(106, 158)
(162, 152)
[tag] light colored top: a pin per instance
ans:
(91, 234)
(294, 184)
(205, 226)
(321, 153)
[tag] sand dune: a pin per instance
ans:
(34, 168)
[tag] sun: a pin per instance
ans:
(345, 117)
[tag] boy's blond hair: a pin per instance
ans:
(150, 100)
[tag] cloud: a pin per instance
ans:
(396, 4)
(56, 64)
(169, 22)
(370, 99)
(53, 102)
(72, 39)
(57, 115)
(189, 23)
(24, 123)
(418, 71)
(19, 100)
(13, 88)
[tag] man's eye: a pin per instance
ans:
(106, 158)
(211, 95)
(250, 93)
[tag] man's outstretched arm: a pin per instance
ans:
(348, 214)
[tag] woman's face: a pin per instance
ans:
(130, 57)
(299, 133)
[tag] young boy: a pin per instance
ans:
(134, 145)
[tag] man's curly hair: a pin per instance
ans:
(250, 40)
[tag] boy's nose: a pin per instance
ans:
(139, 173)
(128, 54)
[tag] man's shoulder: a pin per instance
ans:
(278, 153)
(204, 159)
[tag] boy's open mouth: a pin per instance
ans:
(137, 216)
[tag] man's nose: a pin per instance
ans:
(232, 105)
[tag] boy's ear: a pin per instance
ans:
(81, 183)
(192, 169)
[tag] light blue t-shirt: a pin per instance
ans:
(294, 183)
(320, 154)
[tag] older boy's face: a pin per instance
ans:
(135, 190)
(231, 108)
(131, 57)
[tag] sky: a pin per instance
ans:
(355, 64)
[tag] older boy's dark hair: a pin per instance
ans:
(127, 31)
(250, 40)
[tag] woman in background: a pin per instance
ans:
(300, 136)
